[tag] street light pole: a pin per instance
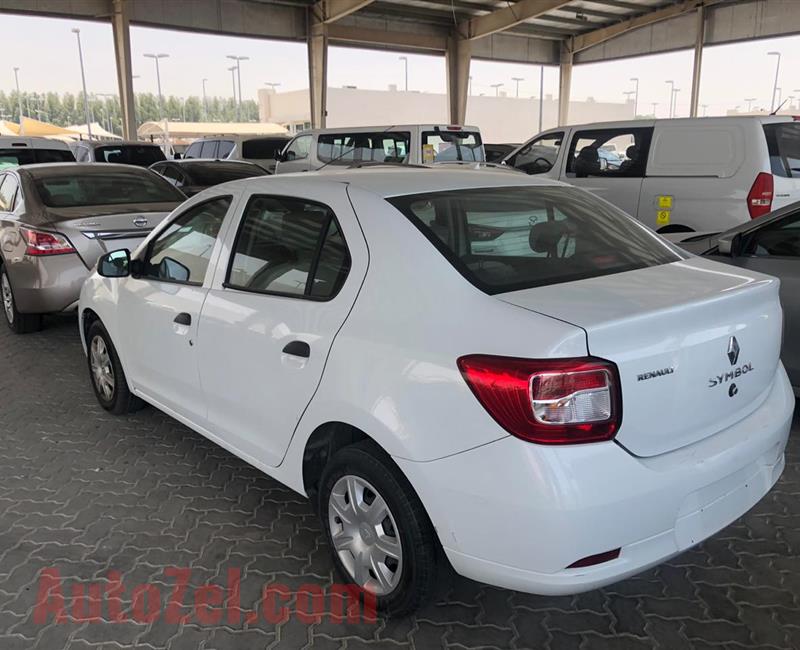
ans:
(675, 92)
(497, 88)
(232, 70)
(635, 97)
(238, 60)
(517, 80)
(749, 101)
(77, 33)
(705, 109)
(775, 83)
(205, 102)
(671, 95)
(654, 107)
(404, 59)
(541, 95)
(155, 58)
(19, 94)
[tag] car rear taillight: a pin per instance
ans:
(39, 243)
(548, 401)
(759, 199)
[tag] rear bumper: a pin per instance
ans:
(45, 285)
(515, 515)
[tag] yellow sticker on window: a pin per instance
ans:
(662, 217)
(665, 203)
(428, 153)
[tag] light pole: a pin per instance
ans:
(205, 102)
(77, 33)
(272, 84)
(775, 83)
(19, 94)
(635, 96)
(780, 95)
(705, 109)
(497, 88)
(404, 59)
(541, 95)
(654, 104)
(749, 101)
(675, 92)
(517, 80)
(671, 94)
(238, 60)
(155, 58)
(232, 70)
(106, 110)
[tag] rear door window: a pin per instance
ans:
(262, 148)
(511, 238)
(193, 151)
(452, 145)
(225, 148)
(209, 149)
(609, 152)
(783, 142)
(289, 247)
(8, 191)
(381, 147)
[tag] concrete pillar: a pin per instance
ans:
(457, 59)
(120, 24)
(318, 69)
(698, 59)
(564, 83)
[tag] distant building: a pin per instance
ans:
(501, 119)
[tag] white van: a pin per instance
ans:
(681, 175)
(414, 144)
(263, 150)
(26, 150)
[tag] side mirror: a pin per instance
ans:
(115, 264)
(176, 156)
(288, 156)
(730, 245)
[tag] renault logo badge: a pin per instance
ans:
(733, 350)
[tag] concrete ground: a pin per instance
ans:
(87, 494)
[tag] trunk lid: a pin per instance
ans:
(697, 344)
(97, 230)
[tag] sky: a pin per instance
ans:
(731, 73)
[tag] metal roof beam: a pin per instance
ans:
(329, 11)
(412, 40)
(509, 16)
(590, 39)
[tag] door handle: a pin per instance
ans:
(298, 349)
(183, 319)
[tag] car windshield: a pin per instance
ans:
(107, 188)
(208, 175)
(440, 146)
(141, 155)
(14, 157)
(510, 238)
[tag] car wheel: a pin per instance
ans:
(379, 533)
(108, 378)
(19, 323)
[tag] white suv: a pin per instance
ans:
(26, 150)
(556, 415)
(703, 174)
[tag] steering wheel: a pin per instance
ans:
(537, 166)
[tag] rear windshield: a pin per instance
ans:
(208, 175)
(511, 238)
(263, 148)
(20, 156)
(348, 148)
(451, 145)
(107, 188)
(783, 142)
(141, 155)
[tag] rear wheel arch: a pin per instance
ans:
(673, 228)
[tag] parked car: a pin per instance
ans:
(414, 144)
(496, 152)
(570, 415)
(25, 150)
(142, 154)
(261, 150)
(678, 175)
(770, 245)
(57, 219)
(192, 176)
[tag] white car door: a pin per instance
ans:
(160, 306)
(783, 142)
(609, 162)
(296, 157)
(293, 271)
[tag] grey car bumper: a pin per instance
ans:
(47, 284)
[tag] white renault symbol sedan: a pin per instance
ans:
(508, 369)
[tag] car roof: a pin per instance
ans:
(389, 128)
(402, 180)
(116, 143)
(709, 121)
(209, 162)
(49, 170)
(32, 142)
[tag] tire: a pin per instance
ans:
(17, 322)
(408, 579)
(106, 373)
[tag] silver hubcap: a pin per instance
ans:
(8, 298)
(365, 535)
(102, 370)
